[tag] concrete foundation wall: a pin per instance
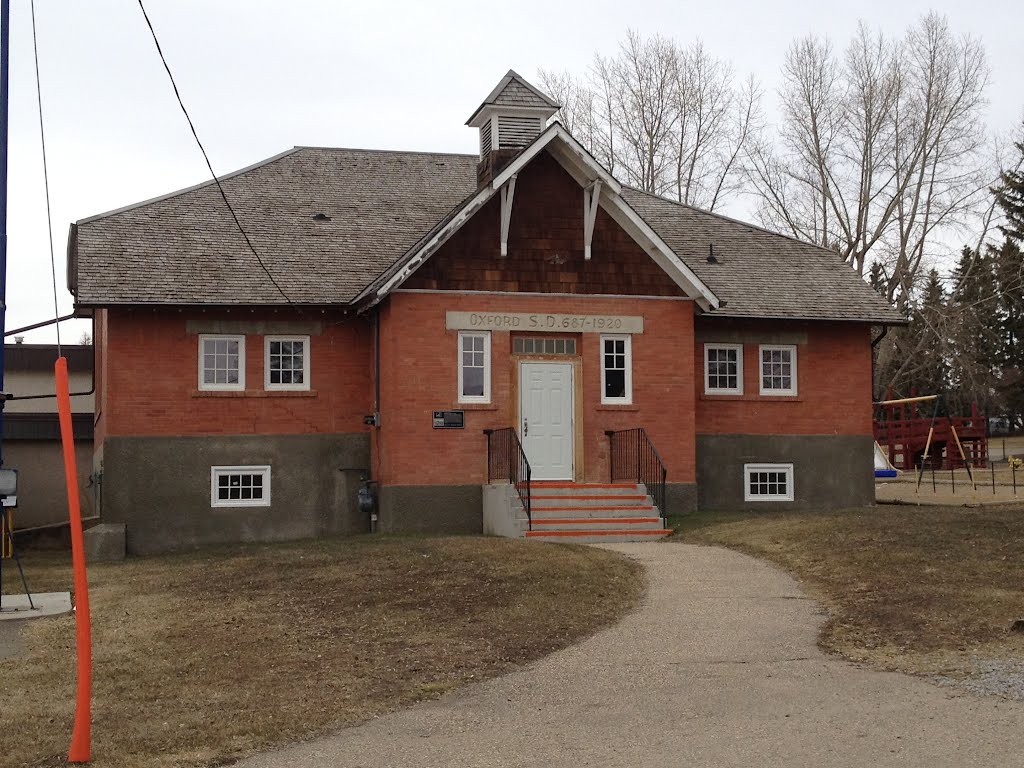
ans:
(829, 471)
(681, 498)
(42, 498)
(160, 488)
(431, 509)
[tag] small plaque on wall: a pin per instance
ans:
(449, 419)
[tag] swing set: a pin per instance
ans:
(911, 438)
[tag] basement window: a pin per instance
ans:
(240, 486)
(221, 361)
(767, 482)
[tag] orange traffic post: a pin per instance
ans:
(80, 736)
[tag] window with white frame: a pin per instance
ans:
(767, 482)
(286, 362)
(240, 486)
(221, 361)
(616, 369)
(723, 369)
(778, 369)
(474, 367)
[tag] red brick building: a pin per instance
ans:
(395, 305)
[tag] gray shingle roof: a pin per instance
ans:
(760, 273)
(184, 248)
(513, 91)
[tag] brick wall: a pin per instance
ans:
(545, 246)
(150, 371)
(834, 380)
(419, 375)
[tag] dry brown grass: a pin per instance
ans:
(203, 657)
(923, 590)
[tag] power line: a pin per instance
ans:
(206, 157)
(46, 175)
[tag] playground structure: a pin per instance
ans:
(914, 437)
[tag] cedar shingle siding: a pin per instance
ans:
(545, 247)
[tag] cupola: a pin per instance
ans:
(512, 116)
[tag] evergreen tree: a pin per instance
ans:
(1009, 274)
(1008, 268)
(876, 277)
(1010, 196)
(973, 333)
(931, 374)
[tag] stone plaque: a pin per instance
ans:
(541, 322)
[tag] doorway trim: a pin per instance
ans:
(577, 404)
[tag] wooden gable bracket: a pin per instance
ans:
(508, 192)
(591, 197)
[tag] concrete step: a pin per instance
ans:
(612, 511)
(594, 500)
(552, 488)
(599, 537)
(597, 523)
(647, 510)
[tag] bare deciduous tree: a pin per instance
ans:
(665, 119)
(879, 151)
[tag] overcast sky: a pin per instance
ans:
(259, 77)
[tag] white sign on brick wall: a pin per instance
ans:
(543, 322)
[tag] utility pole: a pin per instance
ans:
(5, 49)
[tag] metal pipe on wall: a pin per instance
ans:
(5, 45)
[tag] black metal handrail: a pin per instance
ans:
(506, 460)
(634, 457)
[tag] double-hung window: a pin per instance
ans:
(778, 369)
(723, 369)
(221, 361)
(474, 367)
(286, 362)
(616, 370)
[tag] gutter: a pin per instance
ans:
(90, 391)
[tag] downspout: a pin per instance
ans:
(375, 459)
(376, 366)
(874, 345)
(882, 335)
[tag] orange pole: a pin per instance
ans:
(80, 736)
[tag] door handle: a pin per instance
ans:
(526, 427)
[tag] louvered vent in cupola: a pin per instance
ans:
(485, 139)
(515, 131)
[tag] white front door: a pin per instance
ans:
(545, 418)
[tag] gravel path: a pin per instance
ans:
(719, 667)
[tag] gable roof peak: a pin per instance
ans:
(515, 93)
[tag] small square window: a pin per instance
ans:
(723, 369)
(768, 482)
(474, 367)
(778, 369)
(286, 362)
(616, 370)
(221, 362)
(240, 486)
